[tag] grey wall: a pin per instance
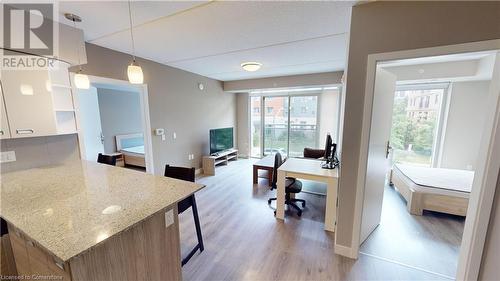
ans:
(243, 121)
(40, 151)
(491, 254)
(386, 26)
(120, 114)
(464, 126)
(315, 79)
(175, 103)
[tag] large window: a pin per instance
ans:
(415, 124)
(284, 124)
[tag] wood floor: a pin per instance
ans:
(430, 242)
(243, 240)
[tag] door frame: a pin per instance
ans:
(481, 198)
(145, 117)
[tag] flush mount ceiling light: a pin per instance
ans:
(81, 80)
(134, 71)
(251, 66)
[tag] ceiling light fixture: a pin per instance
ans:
(81, 80)
(134, 71)
(251, 66)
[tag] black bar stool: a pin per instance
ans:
(187, 174)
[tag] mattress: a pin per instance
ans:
(438, 180)
(134, 150)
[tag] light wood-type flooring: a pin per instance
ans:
(243, 240)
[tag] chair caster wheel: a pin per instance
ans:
(299, 214)
(269, 202)
(303, 204)
(274, 213)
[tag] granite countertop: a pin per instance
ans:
(71, 208)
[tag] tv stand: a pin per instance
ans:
(218, 159)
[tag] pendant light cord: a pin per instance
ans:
(78, 49)
(131, 32)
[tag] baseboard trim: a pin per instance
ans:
(346, 251)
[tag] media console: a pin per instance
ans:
(221, 158)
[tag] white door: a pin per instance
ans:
(378, 158)
(89, 122)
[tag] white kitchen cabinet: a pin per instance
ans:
(4, 124)
(38, 102)
(29, 103)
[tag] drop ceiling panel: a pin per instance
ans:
(309, 56)
(102, 18)
(213, 38)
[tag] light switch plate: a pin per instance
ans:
(169, 218)
(7, 156)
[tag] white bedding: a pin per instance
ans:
(134, 150)
(445, 179)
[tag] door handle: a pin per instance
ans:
(388, 149)
(24, 131)
(102, 138)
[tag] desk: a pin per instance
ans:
(267, 164)
(310, 170)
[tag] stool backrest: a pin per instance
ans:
(180, 173)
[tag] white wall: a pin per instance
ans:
(328, 115)
(243, 123)
(464, 125)
(120, 114)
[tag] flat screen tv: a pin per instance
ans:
(221, 139)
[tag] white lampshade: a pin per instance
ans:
(134, 73)
(82, 81)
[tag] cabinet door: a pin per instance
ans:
(4, 123)
(29, 103)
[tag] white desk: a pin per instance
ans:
(310, 170)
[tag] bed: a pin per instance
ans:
(132, 148)
(433, 189)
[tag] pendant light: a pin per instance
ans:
(81, 80)
(134, 71)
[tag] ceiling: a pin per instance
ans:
(214, 38)
(473, 66)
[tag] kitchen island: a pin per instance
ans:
(89, 221)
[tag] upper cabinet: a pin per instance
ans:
(4, 124)
(38, 102)
(71, 45)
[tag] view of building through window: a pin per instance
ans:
(285, 131)
(414, 125)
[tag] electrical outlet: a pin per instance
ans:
(7, 156)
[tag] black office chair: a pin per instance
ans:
(291, 186)
(106, 159)
(187, 174)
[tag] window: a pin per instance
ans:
(414, 131)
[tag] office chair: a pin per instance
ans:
(187, 174)
(291, 186)
(106, 159)
(313, 153)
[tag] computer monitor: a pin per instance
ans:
(328, 147)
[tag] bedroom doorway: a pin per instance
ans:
(113, 119)
(437, 139)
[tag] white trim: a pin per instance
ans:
(345, 251)
(145, 117)
(484, 185)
